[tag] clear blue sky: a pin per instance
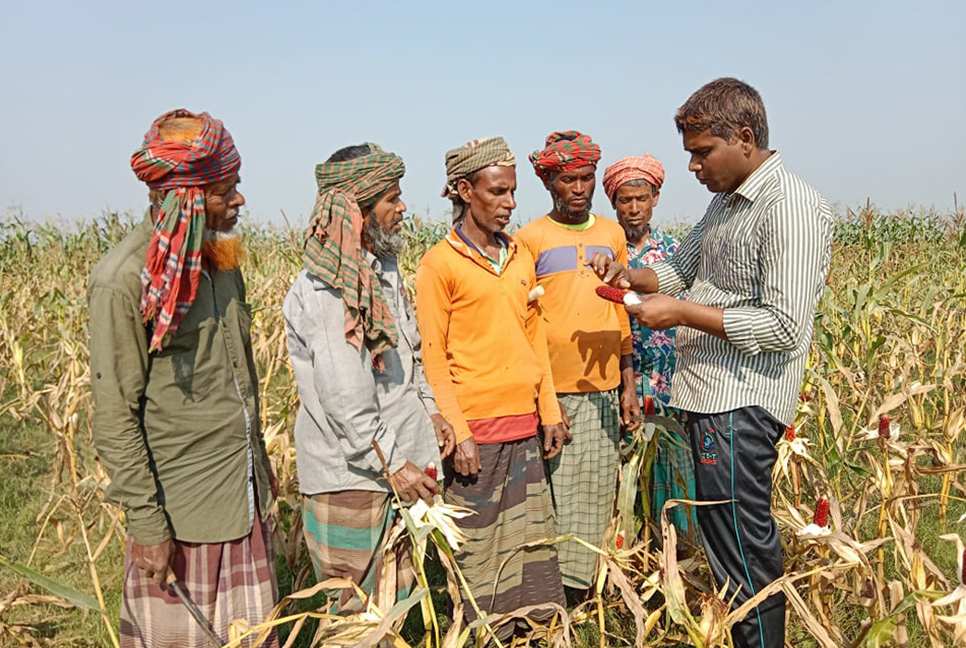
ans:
(865, 99)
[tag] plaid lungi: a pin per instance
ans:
(512, 505)
(583, 480)
(227, 580)
(346, 534)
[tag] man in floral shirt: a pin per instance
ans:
(633, 185)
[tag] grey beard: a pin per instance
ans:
(384, 244)
(561, 207)
(637, 233)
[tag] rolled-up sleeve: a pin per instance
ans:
(676, 275)
(119, 369)
(794, 260)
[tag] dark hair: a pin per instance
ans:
(472, 176)
(725, 106)
(350, 153)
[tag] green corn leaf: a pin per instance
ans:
(75, 596)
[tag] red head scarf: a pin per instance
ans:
(200, 154)
(633, 168)
(564, 151)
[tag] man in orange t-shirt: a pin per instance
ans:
(485, 356)
(589, 341)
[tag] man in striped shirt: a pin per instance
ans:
(756, 266)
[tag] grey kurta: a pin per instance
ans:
(345, 403)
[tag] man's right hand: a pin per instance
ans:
(156, 560)
(610, 272)
(554, 438)
(411, 483)
(466, 459)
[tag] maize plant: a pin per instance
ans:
(868, 487)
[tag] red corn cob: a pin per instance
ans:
(611, 293)
(620, 540)
(431, 471)
(648, 404)
(883, 427)
(821, 512)
(962, 576)
(790, 432)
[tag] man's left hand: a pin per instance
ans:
(445, 435)
(657, 312)
(630, 408)
(554, 438)
(273, 482)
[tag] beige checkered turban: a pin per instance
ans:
(473, 156)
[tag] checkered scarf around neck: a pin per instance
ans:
(333, 244)
(628, 169)
(200, 151)
(473, 156)
(564, 151)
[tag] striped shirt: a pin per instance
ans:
(760, 253)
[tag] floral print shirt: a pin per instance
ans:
(653, 350)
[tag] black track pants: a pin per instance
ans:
(734, 453)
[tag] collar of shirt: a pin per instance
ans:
(579, 227)
(753, 185)
(656, 240)
(500, 237)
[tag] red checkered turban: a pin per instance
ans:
(564, 151)
(182, 152)
(633, 168)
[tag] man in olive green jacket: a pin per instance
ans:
(176, 421)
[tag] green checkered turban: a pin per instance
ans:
(333, 244)
(473, 156)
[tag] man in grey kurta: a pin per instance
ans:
(351, 397)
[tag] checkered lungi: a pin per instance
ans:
(227, 580)
(512, 505)
(583, 480)
(346, 534)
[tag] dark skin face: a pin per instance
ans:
(635, 206)
(388, 210)
(575, 189)
(222, 202)
(490, 203)
(722, 165)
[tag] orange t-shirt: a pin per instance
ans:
(484, 350)
(586, 335)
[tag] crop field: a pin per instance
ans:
(877, 449)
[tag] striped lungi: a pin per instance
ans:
(227, 580)
(513, 507)
(583, 480)
(346, 534)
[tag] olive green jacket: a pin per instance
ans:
(176, 429)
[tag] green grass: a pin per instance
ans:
(24, 491)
